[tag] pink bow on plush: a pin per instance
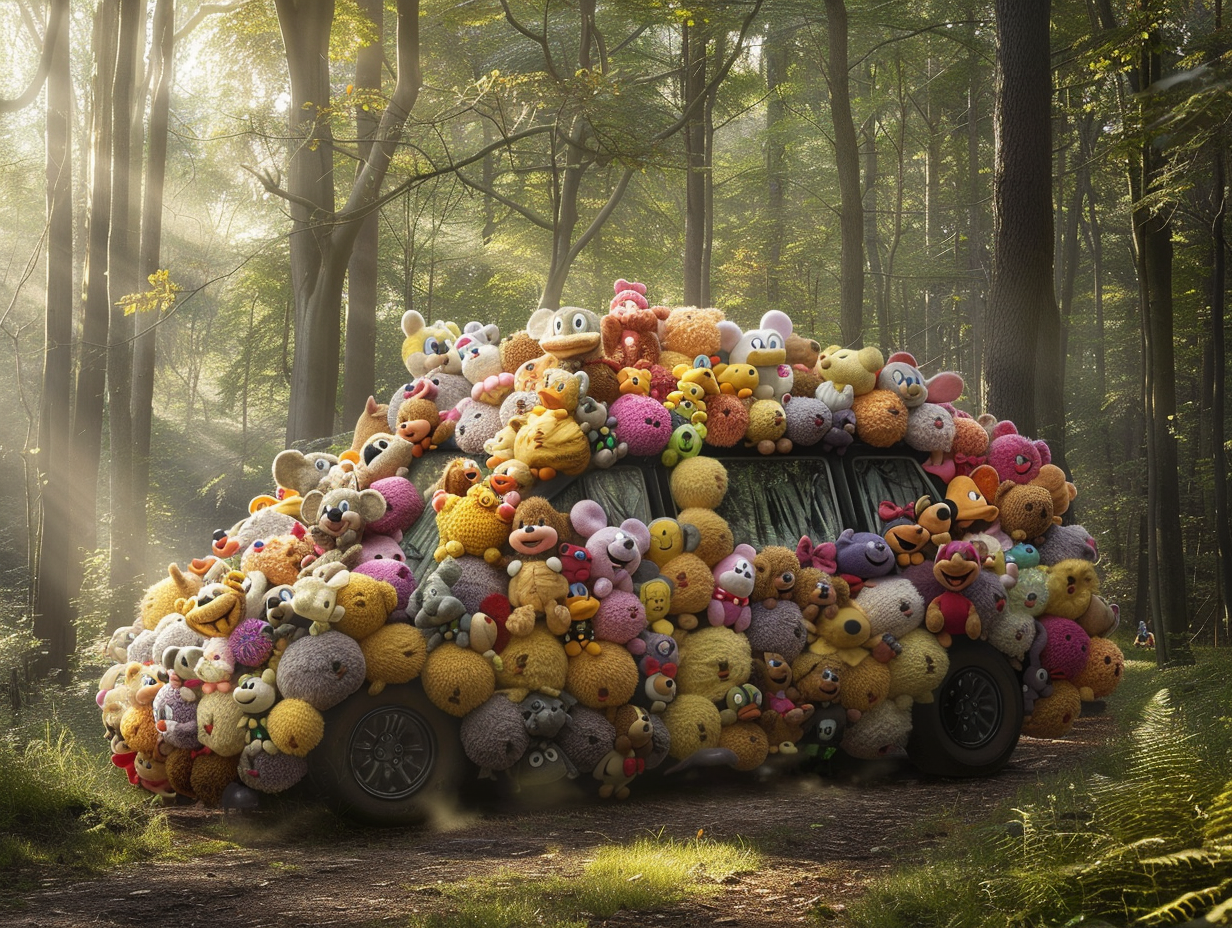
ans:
(888, 511)
(823, 556)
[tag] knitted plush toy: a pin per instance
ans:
(552, 441)
(712, 660)
(1026, 511)
(844, 367)
(537, 585)
(688, 332)
(393, 654)
(1067, 649)
(642, 423)
(536, 663)
(881, 418)
(733, 584)
(602, 681)
(1014, 457)
(803, 355)
(458, 680)
(767, 427)
(322, 670)
(765, 348)
(1071, 584)
(337, 519)
(901, 375)
(161, 598)
(616, 552)
(477, 523)
(1102, 673)
(727, 420)
(808, 419)
(572, 338)
(631, 328)
(955, 568)
(930, 427)
(427, 347)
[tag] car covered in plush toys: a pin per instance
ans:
(610, 546)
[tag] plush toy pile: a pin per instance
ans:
(569, 647)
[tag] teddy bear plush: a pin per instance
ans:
(616, 551)
(161, 597)
(534, 663)
(1067, 650)
(1014, 457)
(712, 660)
(438, 612)
(1026, 511)
(630, 330)
(518, 349)
(279, 558)
(734, 580)
(477, 523)
(477, 424)
(427, 347)
(803, 355)
(366, 603)
(857, 368)
(690, 331)
(1071, 584)
(776, 569)
(537, 585)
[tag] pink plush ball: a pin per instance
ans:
(250, 643)
(403, 506)
(1067, 650)
(643, 423)
(621, 617)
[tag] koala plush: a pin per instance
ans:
(337, 519)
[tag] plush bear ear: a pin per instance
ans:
(310, 508)
(412, 323)
(371, 505)
(587, 517)
(1004, 427)
(871, 359)
(1045, 453)
(902, 357)
(945, 387)
(729, 335)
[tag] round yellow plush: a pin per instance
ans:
(920, 668)
(1102, 674)
(471, 525)
(210, 775)
(368, 603)
(1053, 716)
(457, 680)
(218, 723)
(536, 662)
(393, 654)
(694, 723)
(295, 727)
(767, 422)
(692, 585)
(160, 598)
(1078, 576)
(864, 685)
(712, 661)
(748, 741)
(137, 728)
(699, 482)
(717, 541)
(605, 680)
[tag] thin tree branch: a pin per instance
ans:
(208, 9)
(59, 9)
(600, 217)
(540, 40)
(523, 211)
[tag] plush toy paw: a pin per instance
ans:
(521, 621)
(594, 648)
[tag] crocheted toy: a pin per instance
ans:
(537, 586)
(956, 567)
(1102, 673)
(602, 681)
(688, 332)
(587, 738)
(427, 347)
(1030, 593)
(767, 427)
(727, 419)
(457, 680)
(295, 727)
(552, 441)
(1014, 457)
(397, 575)
(251, 642)
(477, 523)
(919, 668)
(366, 603)
(256, 694)
(322, 670)
(175, 719)
(808, 419)
(765, 348)
(881, 418)
(712, 660)
(845, 367)
(894, 607)
(779, 630)
(1053, 716)
(536, 663)
(393, 654)
(694, 724)
(1026, 511)
(270, 773)
(642, 423)
(616, 552)
(161, 598)
(1071, 584)
(494, 736)
(1014, 635)
(1065, 542)
(1067, 649)
(733, 583)
(620, 617)
(901, 375)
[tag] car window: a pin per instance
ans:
(900, 480)
(621, 491)
(775, 501)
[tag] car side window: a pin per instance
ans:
(621, 491)
(776, 501)
(900, 480)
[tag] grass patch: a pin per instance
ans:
(1143, 837)
(649, 874)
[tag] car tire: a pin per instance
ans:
(971, 727)
(392, 759)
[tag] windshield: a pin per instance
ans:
(898, 479)
(777, 501)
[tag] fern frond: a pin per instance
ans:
(1188, 906)
(1217, 832)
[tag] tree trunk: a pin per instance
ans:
(92, 359)
(693, 47)
(1219, 282)
(359, 372)
(53, 594)
(1022, 296)
(776, 55)
(933, 239)
(872, 232)
(847, 158)
(977, 277)
(145, 348)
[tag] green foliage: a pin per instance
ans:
(649, 874)
(1145, 839)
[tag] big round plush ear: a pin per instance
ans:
(945, 387)
(904, 357)
(310, 508)
(588, 517)
(539, 326)
(729, 335)
(639, 531)
(777, 320)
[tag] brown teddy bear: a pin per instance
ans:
(689, 331)
(459, 475)
(803, 354)
(776, 570)
(1026, 511)
(881, 418)
(518, 349)
(537, 585)
(279, 558)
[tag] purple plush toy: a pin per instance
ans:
(616, 552)
(862, 556)
(621, 617)
(1015, 457)
(403, 507)
(175, 719)
(643, 423)
(1067, 650)
(251, 642)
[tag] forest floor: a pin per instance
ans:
(821, 841)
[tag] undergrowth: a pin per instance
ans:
(1143, 838)
(646, 875)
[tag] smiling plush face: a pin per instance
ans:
(218, 607)
(537, 528)
(956, 566)
(255, 693)
(670, 538)
(569, 332)
(656, 598)
(777, 568)
(863, 554)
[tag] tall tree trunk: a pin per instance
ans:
(872, 232)
(162, 52)
(359, 373)
(1022, 297)
(933, 239)
(976, 274)
(53, 594)
(693, 47)
(92, 359)
(777, 58)
(847, 158)
(1219, 283)
(1166, 553)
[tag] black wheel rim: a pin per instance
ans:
(392, 752)
(971, 707)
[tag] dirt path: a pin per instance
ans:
(822, 842)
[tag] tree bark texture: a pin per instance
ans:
(53, 594)
(359, 374)
(847, 158)
(776, 55)
(1219, 283)
(1022, 297)
(693, 47)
